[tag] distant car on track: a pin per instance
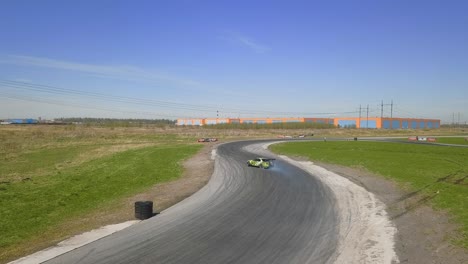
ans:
(207, 139)
(264, 163)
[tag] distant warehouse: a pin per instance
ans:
(27, 121)
(342, 122)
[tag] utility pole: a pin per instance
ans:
(359, 116)
(367, 122)
(391, 110)
(381, 110)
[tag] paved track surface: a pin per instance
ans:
(243, 215)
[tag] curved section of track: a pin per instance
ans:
(243, 215)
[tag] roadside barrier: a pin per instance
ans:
(143, 210)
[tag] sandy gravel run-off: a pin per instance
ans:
(366, 233)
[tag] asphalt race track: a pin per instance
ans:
(243, 215)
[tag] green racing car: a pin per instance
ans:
(263, 163)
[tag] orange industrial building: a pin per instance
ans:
(343, 122)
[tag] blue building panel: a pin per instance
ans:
(386, 124)
(414, 124)
(368, 124)
(395, 124)
(276, 121)
(429, 124)
(16, 121)
(261, 121)
(404, 124)
(347, 123)
(422, 124)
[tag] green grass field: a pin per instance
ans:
(453, 140)
(424, 168)
(34, 205)
(49, 176)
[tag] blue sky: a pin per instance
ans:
(170, 59)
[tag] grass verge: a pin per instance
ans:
(439, 173)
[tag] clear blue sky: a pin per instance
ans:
(154, 59)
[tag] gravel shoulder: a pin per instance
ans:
(197, 172)
(423, 234)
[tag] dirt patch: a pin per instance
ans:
(197, 172)
(423, 234)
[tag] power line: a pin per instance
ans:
(106, 97)
(68, 104)
(382, 109)
(400, 110)
(148, 102)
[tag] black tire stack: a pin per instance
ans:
(143, 210)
